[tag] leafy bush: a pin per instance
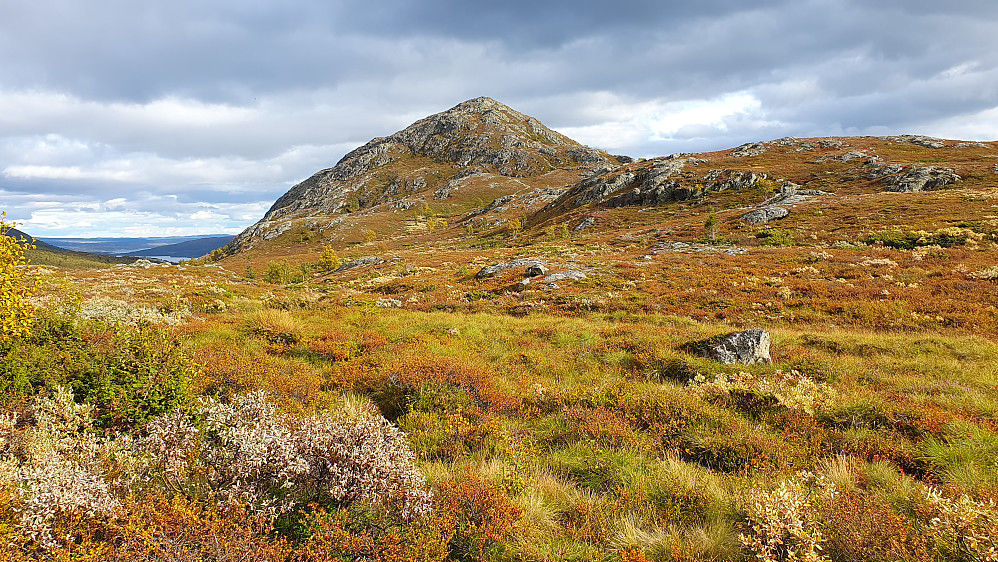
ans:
(485, 516)
(328, 261)
(963, 528)
(16, 286)
(128, 376)
(776, 237)
(245, 452)
(57, 466)
(943, 237)
(369, 532)
(753, 394)
(283, 273)
(782, 523)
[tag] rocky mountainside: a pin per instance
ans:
(483, 170)
(479, 136)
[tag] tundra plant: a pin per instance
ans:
(57, 467)
(792, 390)
(782, 523)
(245, 452)
(963, 529)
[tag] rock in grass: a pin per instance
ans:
(748, 347)
(766, 214)
(536, 270)
(920, 179)
(369, 260)
(490, 270)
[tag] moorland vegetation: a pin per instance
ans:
(369, 387)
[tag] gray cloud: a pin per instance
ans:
(174, 110)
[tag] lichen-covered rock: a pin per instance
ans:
(920, 179)
(498, 268)
(765, 214)
(749, 149)
(572, 275)
(748, 347)
(884, 171)
(361, 262)
(920, 140)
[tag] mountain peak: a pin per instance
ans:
(480, 135)
(482, 103)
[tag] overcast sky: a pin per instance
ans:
(148, 117)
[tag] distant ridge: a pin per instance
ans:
(189, 249)
(47, 254)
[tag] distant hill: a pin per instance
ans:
(124, 246)
(47, 254)
(188, 249)
(17, 234)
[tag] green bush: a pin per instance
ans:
(283, 273)
(776, 237)
(128, 375)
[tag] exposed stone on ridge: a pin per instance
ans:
(666, 180)
(361, 262)
(920, 179)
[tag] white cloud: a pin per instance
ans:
(631, 125)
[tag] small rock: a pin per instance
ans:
(586, 223)
(766, 214)
(572, 275)
(748, 347)
(490, 270)
(362, 262)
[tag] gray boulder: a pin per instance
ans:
(766, 214)
(490, 270)
(748, 347)
(362, 262)
(749, 149)
(535, 270)
(586, 223)
(920, 179)
(571, 275)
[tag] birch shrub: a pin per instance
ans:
(245, 452)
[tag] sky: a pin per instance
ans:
(153, 118)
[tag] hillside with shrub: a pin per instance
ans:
(476, 339)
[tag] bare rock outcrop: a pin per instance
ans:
(765, 214)
(920, 179)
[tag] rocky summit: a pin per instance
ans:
(479, 136)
